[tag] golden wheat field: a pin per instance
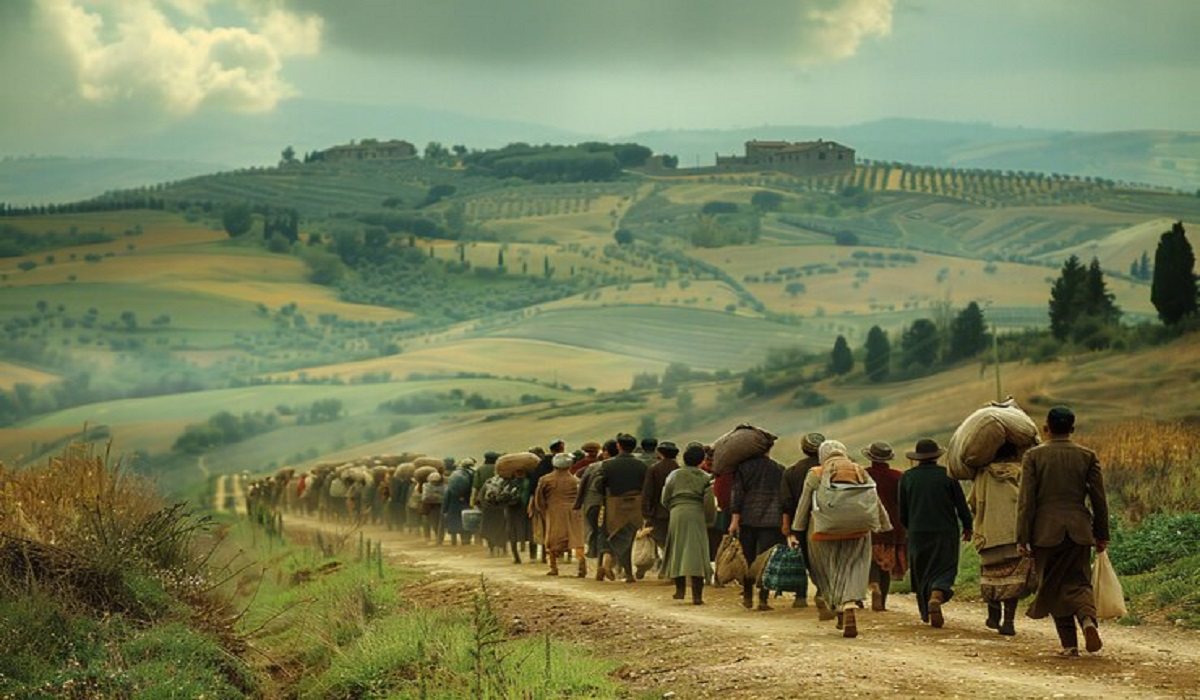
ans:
(503, 357)
(932, 279)
(12, 374)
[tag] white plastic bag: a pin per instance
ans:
(1106, 587)
(644, 553)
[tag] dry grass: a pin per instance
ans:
(13, 374)
(1150, 466)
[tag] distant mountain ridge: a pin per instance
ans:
(205, 144)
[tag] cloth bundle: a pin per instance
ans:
(740, 444)
(975, 442)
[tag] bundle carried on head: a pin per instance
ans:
(404, 472)
(516, 464)
(421, 474)
(740, 444)
(973, 446)
(434, 462)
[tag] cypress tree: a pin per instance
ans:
(968, 333)
(1066, 298)
(919, 344)
(1173, 291)
(879, 354)
(841, 360)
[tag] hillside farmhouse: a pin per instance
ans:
(370, 149)
(801, 157)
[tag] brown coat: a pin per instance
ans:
(1056, 479)
(554, 503)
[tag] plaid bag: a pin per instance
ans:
(785, 571)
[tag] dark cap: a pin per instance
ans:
(557, 443)
(668, 448)
(1060, 419)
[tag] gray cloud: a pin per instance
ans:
(81, 70)
(573, 33)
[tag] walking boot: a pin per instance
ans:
(993, 618)
(697, 590)
(876, 598)
(1091, 636)
(936, 599)
(823, 611)
(801, 601)
(582, 573)
(747, 596)
(680, 586)
(849, 623)
(1007, 628)
(763, 605)
(553, 561)
(516, 554)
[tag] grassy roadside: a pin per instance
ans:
(107, 591)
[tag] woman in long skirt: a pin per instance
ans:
(685, 494)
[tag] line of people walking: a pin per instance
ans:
(852, 526)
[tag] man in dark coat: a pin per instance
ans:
(790, 489)
(756, 513)
(1059, 479)
(932, 509)
(620, 481)
(654, 513)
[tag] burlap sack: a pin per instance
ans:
(420, 474)
(516, 464)
(973, 446)
(730, 561)
(430, 462)
(404, 472)
(740, 444)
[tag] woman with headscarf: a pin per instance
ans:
(554, 503)
(491, 529)
(686, 555)
(1004, 575)
(840, 562)
(459, 484)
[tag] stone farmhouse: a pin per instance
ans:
(370, 149)
(800, 158)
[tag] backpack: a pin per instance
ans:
(498, 491)
(843, 508)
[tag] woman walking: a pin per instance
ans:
(841, 559)
(685, 495)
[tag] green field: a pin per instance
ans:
(703, 339)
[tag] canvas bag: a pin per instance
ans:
(644, 552)
(730, 560)
(1106, 587)
(785, 571)
(842, 508)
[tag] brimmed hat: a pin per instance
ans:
(590, 446)
(810, 443)
(466, 463)
(668, 448)
(879, 452)
(926, 449)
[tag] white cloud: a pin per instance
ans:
(130, 51)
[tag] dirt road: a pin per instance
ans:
(721, 650)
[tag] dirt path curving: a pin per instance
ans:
(721, 650)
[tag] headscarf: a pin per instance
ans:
(829, 448)
(563, 460)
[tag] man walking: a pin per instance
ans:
(620, 481)
(790, 488)
(1059, 480)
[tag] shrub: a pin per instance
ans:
(1157, 540)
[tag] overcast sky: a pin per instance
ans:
(79, 71)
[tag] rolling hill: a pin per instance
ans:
(512, 313)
